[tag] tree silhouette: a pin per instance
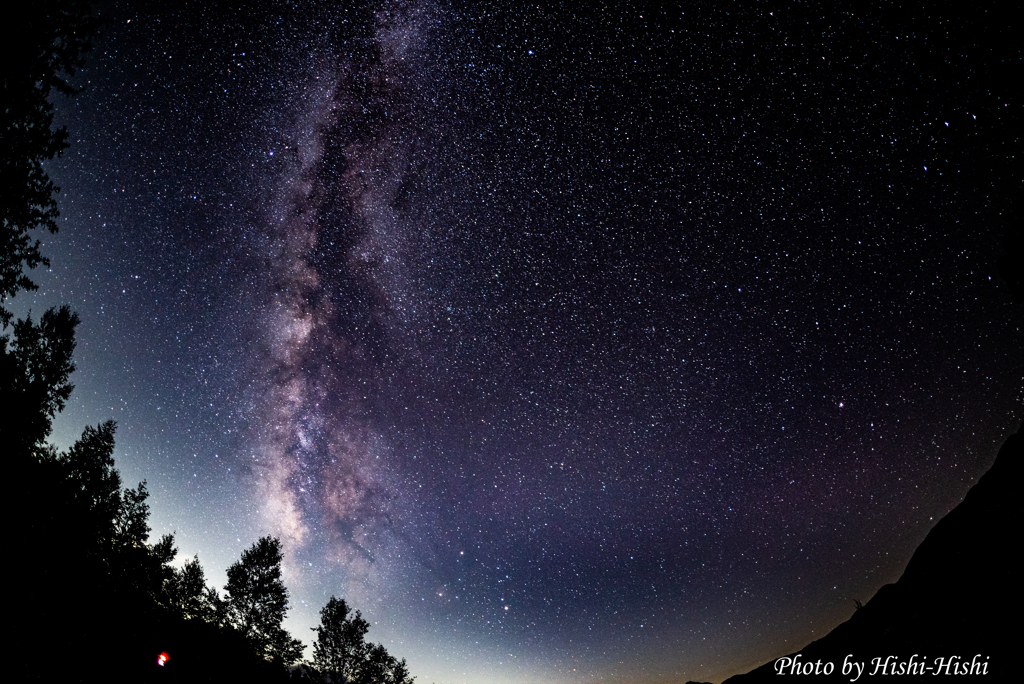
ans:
(399, 673)
(43, 49)
(112, 524)
(34, 370)
(342, 655)
(93, 482)
(103, 530)
(188, 594)
(381, 667)
(258, 600)
(47, 44)
(339, 650)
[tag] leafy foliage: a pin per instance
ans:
(339, 649)
(257, 601)
(50, 39)
(113, 522)
(189, 595)
(341, 654)
(34, 377)
(94, 484)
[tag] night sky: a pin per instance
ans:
(605, 345)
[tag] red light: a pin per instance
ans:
(162, 659)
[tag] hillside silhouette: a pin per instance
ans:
(958, 598)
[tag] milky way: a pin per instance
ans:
(342, 296)
(594, 346)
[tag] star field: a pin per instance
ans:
(618, 344)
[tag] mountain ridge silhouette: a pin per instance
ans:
(953, 607)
